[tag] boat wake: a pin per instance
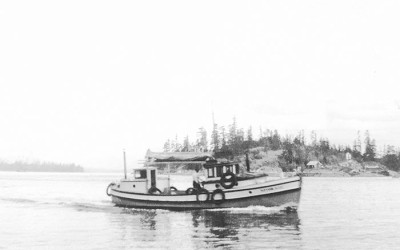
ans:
(86, 206)
(18, 200)
(289, 207)
(108, 206)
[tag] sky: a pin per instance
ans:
(82, 80)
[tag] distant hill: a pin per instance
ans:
(21, 166)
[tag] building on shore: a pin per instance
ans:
(348, 156)
(314, 164)
(374, 167)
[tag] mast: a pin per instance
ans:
(125, 165)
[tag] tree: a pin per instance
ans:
(370, 148)
(313, 138)
(202, 142)
(391, 161)
(223, 137)
(186, 144)
(250, 134)
(167, 146)
(356, 152)
(215, 140)
(299, 139)
(357, 143)
(324, 146)
(275, 141)
(176, 146)
(232, 132)
(240, 136)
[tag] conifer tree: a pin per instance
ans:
(223, 137)
(313, 138)
(186, 144)
(250, 135)
(370, 148)
(202, 142)
(232, 132)
(167, 146)
(215, 139)
(275, 141)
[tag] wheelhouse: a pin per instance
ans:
(216, 170)
(142, 179)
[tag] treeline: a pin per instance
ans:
(296, 151)
(39, 167)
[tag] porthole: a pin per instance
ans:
(134, 186)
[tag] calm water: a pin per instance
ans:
(71, 211)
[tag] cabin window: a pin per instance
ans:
(219, 172)
(228, 169)
(210, 172)
(140, 174)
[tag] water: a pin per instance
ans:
(71, 211)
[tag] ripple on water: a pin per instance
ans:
(73, 212)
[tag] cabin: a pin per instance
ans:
(216, 170)
(143, 179)
(314, 164)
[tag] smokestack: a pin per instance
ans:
(247, 162)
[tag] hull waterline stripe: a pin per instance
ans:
(225, 190)
(233, 199)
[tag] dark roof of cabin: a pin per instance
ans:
(178, 156)
(219, 164)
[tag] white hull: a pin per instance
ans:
(268, 193)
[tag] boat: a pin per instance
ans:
(226, 185)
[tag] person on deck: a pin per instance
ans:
(196, 179)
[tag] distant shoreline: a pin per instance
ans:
(40, 167)
(338, 173)
(40, 171)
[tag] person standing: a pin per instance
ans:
(196, 179)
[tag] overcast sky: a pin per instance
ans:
(81, 80)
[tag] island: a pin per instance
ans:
(274, 153)
(24, 166)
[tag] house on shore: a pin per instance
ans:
(348, 156)
(314, 164)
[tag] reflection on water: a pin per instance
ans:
(148, 220)
(234, 219)
(237, 228)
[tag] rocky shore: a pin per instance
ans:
(268, 162)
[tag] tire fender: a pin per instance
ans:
(228, 182)
(215, 192)
(203, 191)
(153, 190)
(108, 188)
